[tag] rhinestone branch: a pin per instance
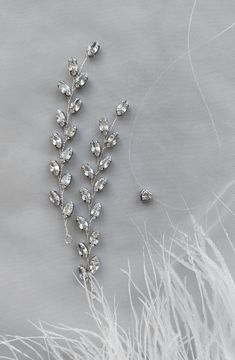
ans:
(97, 183)
(60, 141)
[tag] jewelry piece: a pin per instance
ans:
(97, 183)
(146, 195)
(69, 130)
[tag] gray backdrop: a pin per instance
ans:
(178, 139)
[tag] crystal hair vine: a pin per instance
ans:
(98, 149)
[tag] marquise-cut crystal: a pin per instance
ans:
(104, 126)
(54, 197)
(66, 154)
(81, 80)
(104, 163)
(56, 140)
(60, 118)
(93, 49)
(94, 238)
(112, 140)
(82, 249)
(88, 171)
(146, 195)
(75, 106)
(85, 195)
(64, 88)
(82, 223)
(54, 167)
(65, 180)
(94, 264)
(99, 185)
(95, 148)
(68, 209)
(95, 211)
(82, 272)
(70, 131)
(73, 66)
(122, 108)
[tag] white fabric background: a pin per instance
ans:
(178, 138)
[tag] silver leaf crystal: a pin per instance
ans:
(94, 264)
(111, 140)
(75, 106)
(54, 167)
(104, 163)
(61, 118)
(82, 272)
(99, 184)
(73, 66)
(82, 223)
(56, 140)
(64, 88)
(95, 148)
(96, 210)
(122, 108)
(93, 49)
(85, 195)
(65, 180)
(66, 155)
(83, 250)
(81, 80)
(70, 131)
(54, 197)
(94, 238)
(88, 171)
(104, 126)
(68, 209)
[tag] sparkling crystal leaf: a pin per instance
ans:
(54, 167)
(82, 223)
(94, 264)
(85, 195)
(104, 163)
(66, 154)
(104, 126)
(54, 197)
(56, 140)
(82, 249)
(122, 108)
(68, 209)
(70, 131)
(81, 80)
(61, 118)
(112, 140)
(73, 66)
(96, 210)
(88, 171)
(65, 180)
(82, 272)
(94, 238)
(93, 49)
(99, 185)
(75, 105)
(64, 88)
(95, 148)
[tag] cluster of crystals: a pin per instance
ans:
(146, 195)
(59, 139)
(97, 183)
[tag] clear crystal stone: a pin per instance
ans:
(73, 66)
(66, 154)
(56, 140)
(68, 209)
(54, 197)
(82, 223)
(93, 49)
(81, 80)
(65, 180)
(82, 249)
(60, 118)
(96, 210)
(94, 238)
(94, 264)
(70, 131)
(104, 163)
(112, 140)
(82, 272)
(88, 171)
(122, 108)
(99, 185)
(54, 167)
(64, 88)
(75, 106)
(104, 126)
(95, 148)
(146, 195)
(85, 195)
